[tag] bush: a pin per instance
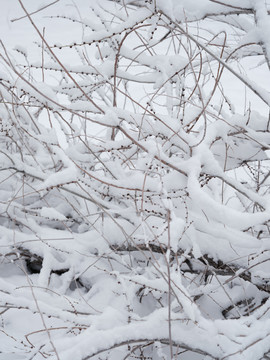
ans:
(135, 185)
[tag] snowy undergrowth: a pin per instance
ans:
(134, 192)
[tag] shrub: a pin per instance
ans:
(135, 185)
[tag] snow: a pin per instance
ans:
(134, 180)
(52, 213)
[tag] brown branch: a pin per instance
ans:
(36, 11)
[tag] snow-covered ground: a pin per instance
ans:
(109, 293)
